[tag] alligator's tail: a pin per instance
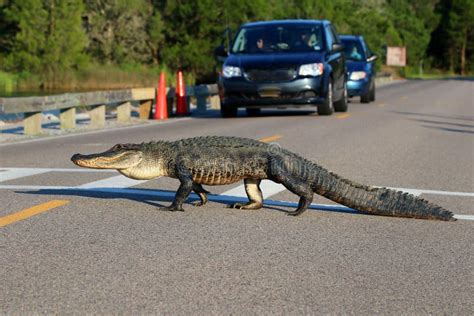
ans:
(379, 201)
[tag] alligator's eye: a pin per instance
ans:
(117, 147)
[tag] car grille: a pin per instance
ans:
(270, 75)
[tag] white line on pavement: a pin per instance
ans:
(58, 170)
(11, 174)
(112, 182)
(437, 192)
(212, 197)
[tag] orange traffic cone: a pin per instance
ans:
(181, 106)
(161, 107)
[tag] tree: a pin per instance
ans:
(49, 35)
(117, 30)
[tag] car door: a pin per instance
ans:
(368, 53)
(337, 61)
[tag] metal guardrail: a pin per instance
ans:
(67, 104)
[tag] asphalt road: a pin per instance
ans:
(114, 251)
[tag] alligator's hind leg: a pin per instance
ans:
(202, 194)
(302, 189)
(252, 188)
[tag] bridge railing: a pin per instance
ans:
(96, 102)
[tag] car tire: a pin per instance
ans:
(341, 105)
(372, 92)
(227, 112)
(366, 98)
(253, 111)
(327, 108)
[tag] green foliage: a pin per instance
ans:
(49, 37)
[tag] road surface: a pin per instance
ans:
(88, 241)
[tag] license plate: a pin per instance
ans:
(269, 93)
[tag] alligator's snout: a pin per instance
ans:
(75, 157)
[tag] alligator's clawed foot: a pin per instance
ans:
(294, 213)
(238, 206)
(172, 208)
(198, 203)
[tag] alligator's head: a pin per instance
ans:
(120, 157)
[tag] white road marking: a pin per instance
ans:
(464, 217)
(58, 170)
(120, 181)
(270, 188)
(16, 173)
(214, 198)
(437, 192)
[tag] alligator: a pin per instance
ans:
(220, 160)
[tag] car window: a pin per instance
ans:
(353, 50)
(366, 48)
(334, 35)
(278, 38)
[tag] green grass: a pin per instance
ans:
(91, 78)
(7, 82)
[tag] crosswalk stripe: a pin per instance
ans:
(12, 174)
(113, 182)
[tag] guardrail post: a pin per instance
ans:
(202, 93)
(97, 115)
(214, 93)
(67, 118)
(145, 109)
(123, 112)
(32, 123)
(215, 102)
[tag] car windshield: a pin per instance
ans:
(278, 38)
(353, 50)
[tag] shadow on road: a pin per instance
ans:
(442, 116)
(442, 125)
(458, 78)
(265, 113)
(150, 197)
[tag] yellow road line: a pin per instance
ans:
(403, 98)
(271, 138)
(343, 116)
(381, 105)
(32, 211)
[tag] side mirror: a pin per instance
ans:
(372, 58)
(221, 52)
(337, 47)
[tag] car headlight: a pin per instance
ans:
(314, 70)
(358, 75)
(231, 71)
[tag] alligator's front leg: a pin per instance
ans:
(183, 192)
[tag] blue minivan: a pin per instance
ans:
(360, 63)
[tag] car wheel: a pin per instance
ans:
(341, 105)
(327, 108)
(228, 111)
(372, 92)
(253, 111)
(366, 98)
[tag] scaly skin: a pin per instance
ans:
(217, 160)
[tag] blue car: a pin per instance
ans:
(360, 67)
